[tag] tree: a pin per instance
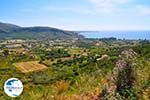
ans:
(5, 52)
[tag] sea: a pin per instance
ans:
(131, 35)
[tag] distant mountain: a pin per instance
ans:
(5, 27)
(10, 31)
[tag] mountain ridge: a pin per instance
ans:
(11, 31)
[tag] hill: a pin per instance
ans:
(5, 27)
(10, 31)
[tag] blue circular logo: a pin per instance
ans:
(13, 87)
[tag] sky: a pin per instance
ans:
(78, 14)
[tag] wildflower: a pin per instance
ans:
(121, 64)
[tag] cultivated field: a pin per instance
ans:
(30, 66)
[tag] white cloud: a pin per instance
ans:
(96, 27)
(109, 6)
(121, 7)
(109, 3)
(143, 10)
(100, 8)
(79, 10)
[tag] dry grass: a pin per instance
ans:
(30, 66)
(62, 86)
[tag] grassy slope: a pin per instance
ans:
(40, 86)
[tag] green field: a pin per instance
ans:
(77, 74)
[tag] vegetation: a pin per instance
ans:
(82, 72)
(10, 31)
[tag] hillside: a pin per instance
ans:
(5, 27)
(10, 31)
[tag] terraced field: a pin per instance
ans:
(30, 66)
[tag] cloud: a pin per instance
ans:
(143, 10)
(109, 6)
(78, 10)
(26, 10)
(99, 8)
(119, 7)
(109, 3)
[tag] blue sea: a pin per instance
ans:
(117, 34)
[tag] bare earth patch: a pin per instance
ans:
(30, 66)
